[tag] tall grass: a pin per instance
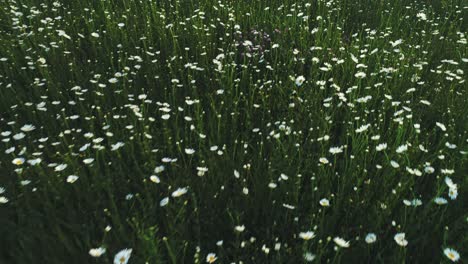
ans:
(278, 119)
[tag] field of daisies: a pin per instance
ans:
(220, 131)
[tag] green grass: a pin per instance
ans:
(219, 77)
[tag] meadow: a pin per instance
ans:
(219, 131)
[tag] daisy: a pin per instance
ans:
(189, 151)
(27, 128)
(88, 161)
(159, 169)
(381, 147)
(155, 179)
(61, 167)
(164, 202)
(400, 239)
(19, 136)
(450, 183)
(240, 228)
(179, 192)
(336, 150)
(323, 160)
(402, 149)
(211, 257)
(440, 200)
(72, 178)
(309, 257)
(307, 235)
(360, 75)
(453, 193)
(3, 200)
(18, 161)
(97, 252)
(300, 80)
(341, 242)
(452, 254)
(123, 256)
(371, 238)
(324, 202)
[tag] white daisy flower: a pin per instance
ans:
(324, 202)
(307, 235)
(123, 256)
(60, 167)
(164, 202)
(452, 254)
(400, 239)
(27, 128)
(440, 201)
(189, 151)
(341, 242)
(239, 228)
(72, 178)
(18, 161)
(97, 252)
(211, 258)
(179, 192)
(371, 238)
(300, 80)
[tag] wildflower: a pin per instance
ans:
(189, 151)
(453, 193)
(381, 147)
(440, 201)
(360, 75)
(323, 160)
(394, 164)
(18, 161)
(309, 257)
(155, 179)
(324, 202)
(19, 136)
(211, 257)
(33, 162)
(240, 228)
(88, 161)
(307, 235)
(3, 200)
(72, 178)
(164, 202)
(371, 238)
(402, 148)
(400, 239)
(60, 167)
(159, 169)
(300, 80)
(201, 171)
(421, 16)
(97, 252)
(450, 183)
(452, 254)
(336, 150)
(441, 126)
(27, 128)
(123, 256)
(179, 192)
(341, 242)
